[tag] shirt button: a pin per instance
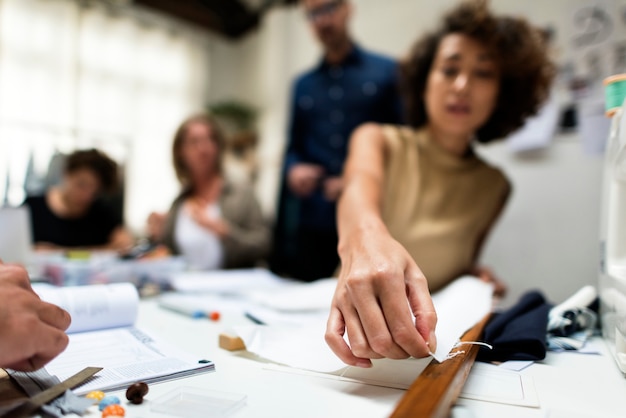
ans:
(370, 88)
(335, 72)
(336, 117)
(336, 141)
(306, 102)
(335, 93)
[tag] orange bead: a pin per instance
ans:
(113, 411)
(215, 316)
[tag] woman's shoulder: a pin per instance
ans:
(37, 203)
(494, 175)
(401, 137)
(237, 190)
(38, 199)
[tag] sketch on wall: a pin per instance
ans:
(596, 50)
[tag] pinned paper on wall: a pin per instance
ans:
(593, 125)
(538, 131)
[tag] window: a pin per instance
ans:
(77, 74)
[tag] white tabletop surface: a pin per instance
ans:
(568, 385)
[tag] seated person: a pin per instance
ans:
(213, 223)
(31, 331)
(72, 215)
(418, 202)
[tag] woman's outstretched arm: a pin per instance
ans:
(380, 287)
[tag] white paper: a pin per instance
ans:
(397, 374)
(234, 282)
(516, 365)
(491, 383)
(96, 306)
(127, 355)
(538, 131)
(459, 306)
(299, 297)
(593, 125)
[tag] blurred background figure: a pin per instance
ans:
(348, 87)
(213, 223)
(74, 214)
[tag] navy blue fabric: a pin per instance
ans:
(328, 103)
(518, 333)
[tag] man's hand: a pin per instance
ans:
(303, 179)
(333, 186)
(31, 331)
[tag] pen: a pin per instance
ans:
(193, 313)
(254, 319)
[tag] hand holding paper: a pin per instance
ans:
(379, 293)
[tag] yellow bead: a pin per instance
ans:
(95, 395)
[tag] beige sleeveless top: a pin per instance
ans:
(437, 205)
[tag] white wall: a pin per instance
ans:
(548, 236)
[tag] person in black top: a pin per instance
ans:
(72, 214)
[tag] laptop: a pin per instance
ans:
(15, 236)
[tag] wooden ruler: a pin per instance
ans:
(434, 392)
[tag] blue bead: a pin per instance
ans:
(108, 400)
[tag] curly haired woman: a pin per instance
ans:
(418, 202)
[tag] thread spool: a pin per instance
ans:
(615, 92)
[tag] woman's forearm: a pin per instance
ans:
(359, 208)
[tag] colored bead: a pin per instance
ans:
(108, 400)
(136, 392)
(113, 411)
(215, 316)
(96, 395)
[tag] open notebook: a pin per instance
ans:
(102, 335)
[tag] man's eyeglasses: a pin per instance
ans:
(324, 10)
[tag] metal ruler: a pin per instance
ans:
(42, 398)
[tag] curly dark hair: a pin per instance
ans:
(526, 71)
(98, 162)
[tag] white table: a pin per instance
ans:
(568, 385)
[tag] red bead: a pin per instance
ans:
(215, 316)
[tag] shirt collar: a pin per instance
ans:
(354, 57)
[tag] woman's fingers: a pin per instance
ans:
(422, 307)
(382, 316)
(335, 329)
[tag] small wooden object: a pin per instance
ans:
(436, 389)
(231, 342)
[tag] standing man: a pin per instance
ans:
(348, 87)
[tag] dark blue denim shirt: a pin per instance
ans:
(328, 103)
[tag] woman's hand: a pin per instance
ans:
(156, 226)
(380, 290)
(487, 275)
(213, 224)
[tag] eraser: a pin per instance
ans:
(231, 342)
